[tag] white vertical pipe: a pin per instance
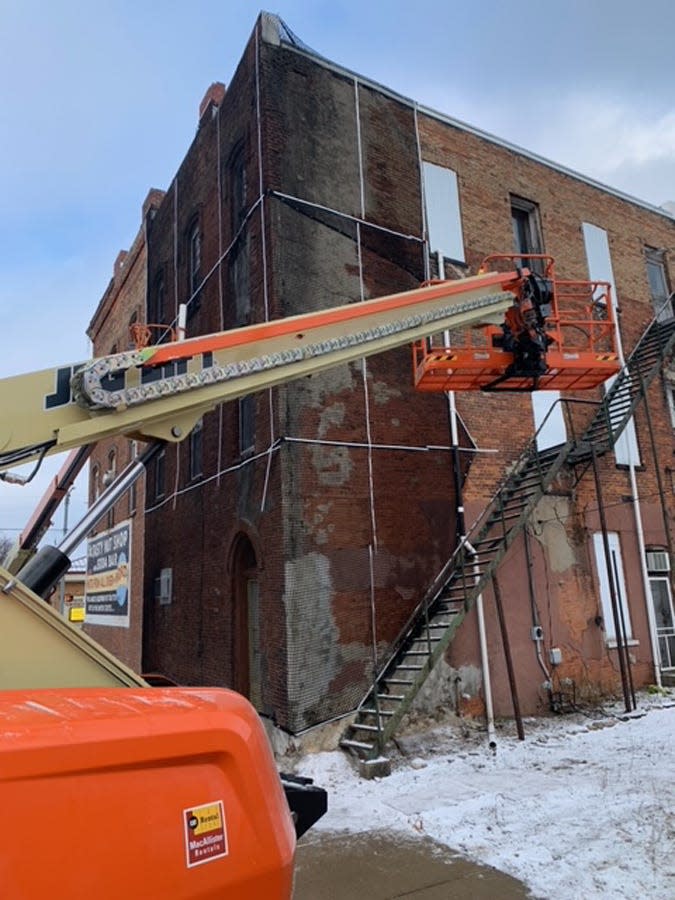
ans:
(601, 269)
(637, 512)
(182, 320)
(651, 618)
(482, 634)
(485, 666)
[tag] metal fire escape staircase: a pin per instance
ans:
(436, 619)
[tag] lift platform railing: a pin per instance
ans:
(579, 327)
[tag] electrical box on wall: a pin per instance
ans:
(164, 587)
(555, 656)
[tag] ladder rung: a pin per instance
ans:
(396, 697)
(397, 681)
(357, 727)
(406, 668)
(375, 712)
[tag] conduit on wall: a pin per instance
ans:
(454, 439)
(372, 549)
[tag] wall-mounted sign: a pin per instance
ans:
(108, 573)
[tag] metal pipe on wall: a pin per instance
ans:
(621, 650)
(461, 532)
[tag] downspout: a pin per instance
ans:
(461, 531)
(536, 623)
(651, 619)
(639, 530)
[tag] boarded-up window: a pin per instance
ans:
(444, 220)
(658, 284)
(617, 578)
(599, 261)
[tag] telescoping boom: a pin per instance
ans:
(162, 390)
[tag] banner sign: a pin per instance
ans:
(108, 573)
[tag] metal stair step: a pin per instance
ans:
(514, 498)
(532, 478)
(517, 500)
(357, 745)
(493, 540)
(501, 519)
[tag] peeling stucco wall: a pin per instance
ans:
(310, 625)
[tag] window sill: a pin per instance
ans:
(611, 643)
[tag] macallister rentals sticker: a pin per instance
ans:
(205, 833)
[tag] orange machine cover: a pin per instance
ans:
(140, 793)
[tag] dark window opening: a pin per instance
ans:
(240, 285)
(109, 476)
(157, 308)
(194, 247)
(237, 188)
(195, 449)
(133, 320)
(526, 231)
(246, 425)
(195, 258)
(133, 496)
(160, 475)
(247, 660)
(658, 284)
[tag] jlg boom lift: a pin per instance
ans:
(116, 789)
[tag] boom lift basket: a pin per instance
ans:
(577, 330)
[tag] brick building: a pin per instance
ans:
(288, 540)
(121, 307)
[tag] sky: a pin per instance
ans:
(100, 100)
(582, 808)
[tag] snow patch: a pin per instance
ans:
(581, 809)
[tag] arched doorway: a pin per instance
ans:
(246, 621)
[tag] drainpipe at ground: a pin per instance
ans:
(485, 666)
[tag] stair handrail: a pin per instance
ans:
(625, 375)
(464, 544)
(564, 451)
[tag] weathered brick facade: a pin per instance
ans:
(298, 556)
(122, 304)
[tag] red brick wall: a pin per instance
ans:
(569, 600)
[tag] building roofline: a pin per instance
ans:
(288, 39)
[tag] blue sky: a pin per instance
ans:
(100, 99)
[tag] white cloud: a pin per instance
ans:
(621, 142)
(605, 135)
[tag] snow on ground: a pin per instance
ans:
(583, 808)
